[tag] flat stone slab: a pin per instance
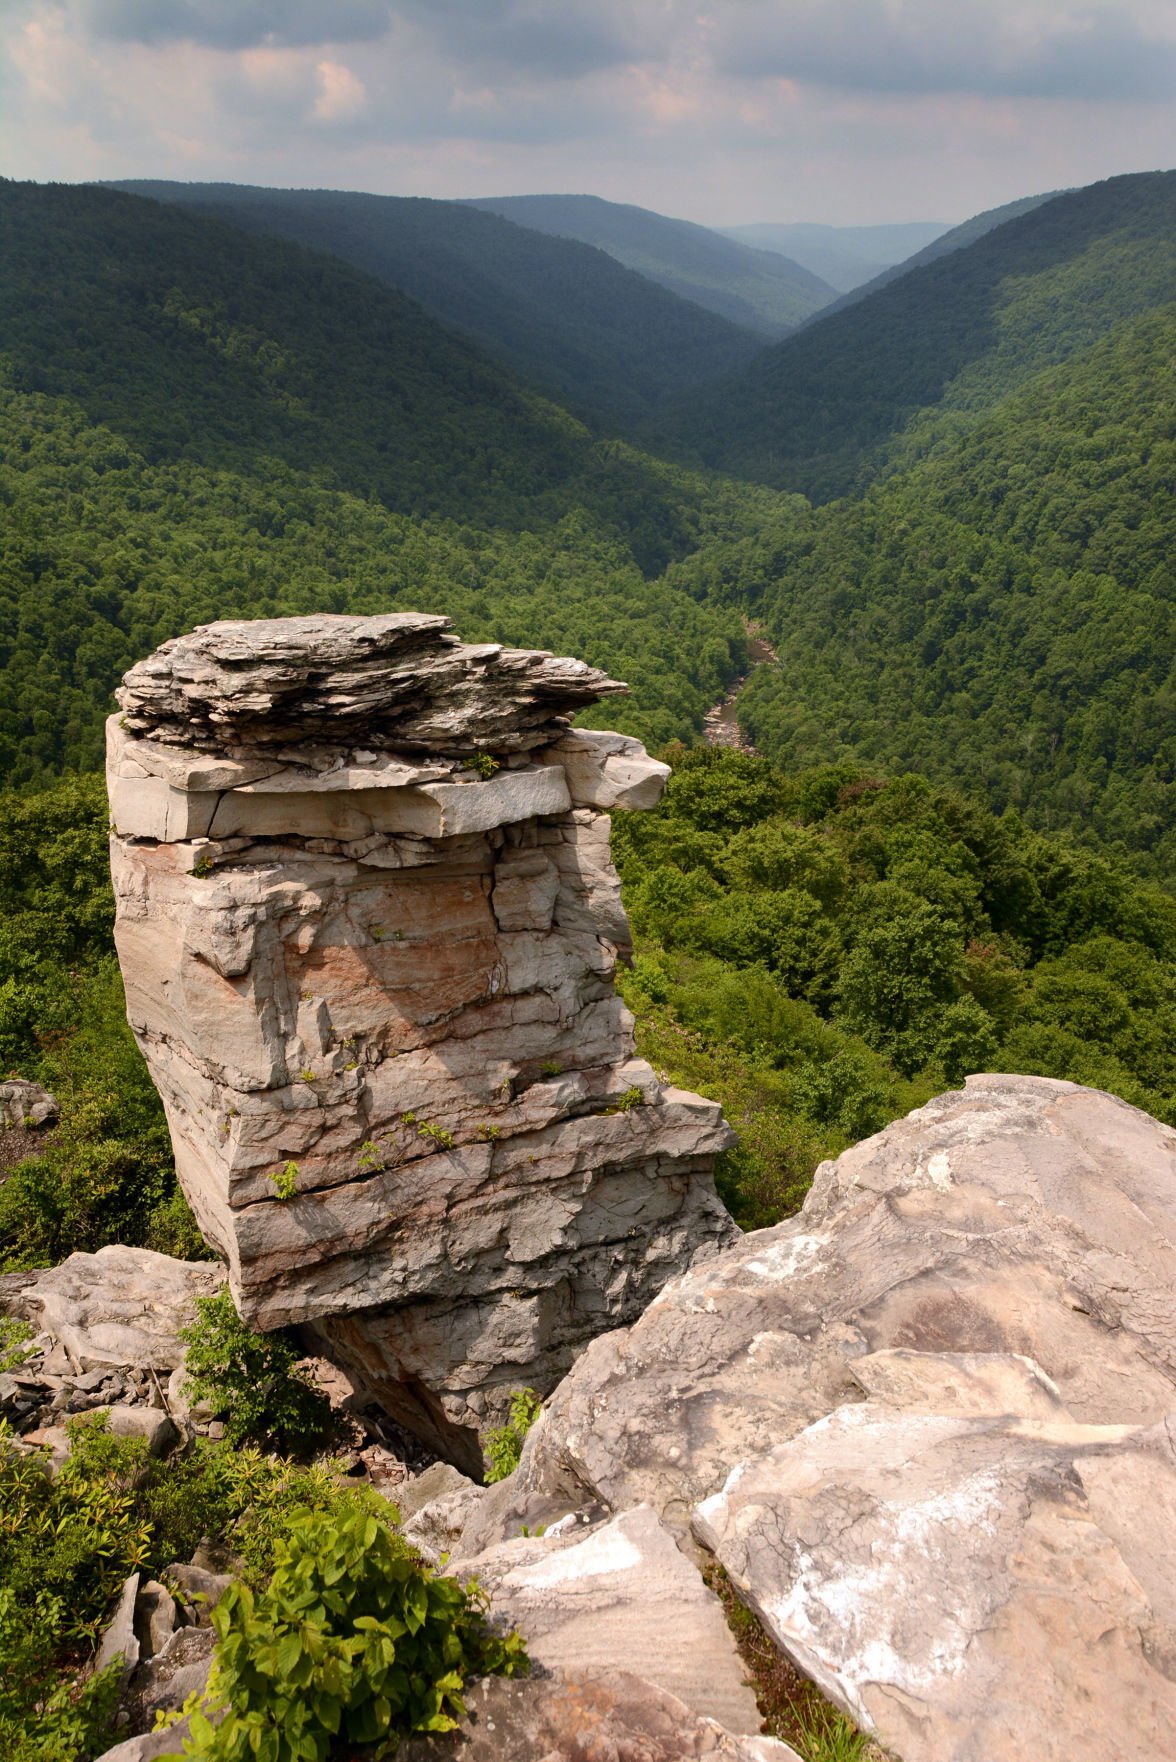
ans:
(624, 1598)
(579, 1716)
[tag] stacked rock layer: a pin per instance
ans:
(368, 924)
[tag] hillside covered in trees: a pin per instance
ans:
(607, 343)
(1000, 613)
(824, 411)
(200, 424)
(762, 289)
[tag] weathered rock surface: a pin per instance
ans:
(119, 1309)
(26, 1104)
(585, 1716)
(394, 681)
(368, 922)
(622, 1598)
(928, 1426)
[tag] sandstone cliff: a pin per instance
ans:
(368, 923)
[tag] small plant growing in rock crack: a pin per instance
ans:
(483, 765)
(285, 1180)
(436, 1134)
(627, 1102)
(381, 933)
(371, 1157)
(306, 1076)
(504, 1444)
(551, 1067)
(203, 866)
(488, 1133)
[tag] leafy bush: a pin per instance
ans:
(250, 1380)
(66, 1545)
(352, 1641)
(504, 1444)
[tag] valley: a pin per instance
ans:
(888, 575)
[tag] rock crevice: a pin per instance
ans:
(368, 923)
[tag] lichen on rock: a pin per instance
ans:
(368, 923)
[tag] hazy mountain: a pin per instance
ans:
(953, 239)
(844, 256)
(604, 341)
(823, 410)
(757, 288)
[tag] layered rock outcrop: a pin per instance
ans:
(928, 1427)
(368, 923)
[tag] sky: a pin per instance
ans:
(843, 111)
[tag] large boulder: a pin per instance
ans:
(120, 1308)
(928, 1426)
(368, 923)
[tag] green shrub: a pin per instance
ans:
(250, 1380)
(14, 1342)
(504, 1444)
(353, 1641)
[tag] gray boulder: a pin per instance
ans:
(26, 1104)
(927, 1426)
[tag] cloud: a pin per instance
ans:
(556, 39)
(996, 50)
(238, 24)
(342, 95)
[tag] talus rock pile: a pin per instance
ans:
(368, 924)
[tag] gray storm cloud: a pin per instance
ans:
(867, 46)
(238, 24)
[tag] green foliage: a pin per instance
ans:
(761, 288)
(434, 1134)
(997, 613)
(609, 345)
(285, 1180)
(352, 1642)
(14, 1342)
(67, 1544)
(106, 1173)
(823, 411)
(241, 429)
(504, 1443)
(67, 1722)
(625, 1103)
(483, 765)
(250, 1380)
(917, 938)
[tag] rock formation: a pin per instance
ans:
(368, 924)
(928, 1427)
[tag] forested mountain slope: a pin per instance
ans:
(199, 424)
(761, 289)
(1001, 613)
(821, 411)
(943, 244)
(604, 341)
(844, 256)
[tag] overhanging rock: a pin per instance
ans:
(368, 924)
